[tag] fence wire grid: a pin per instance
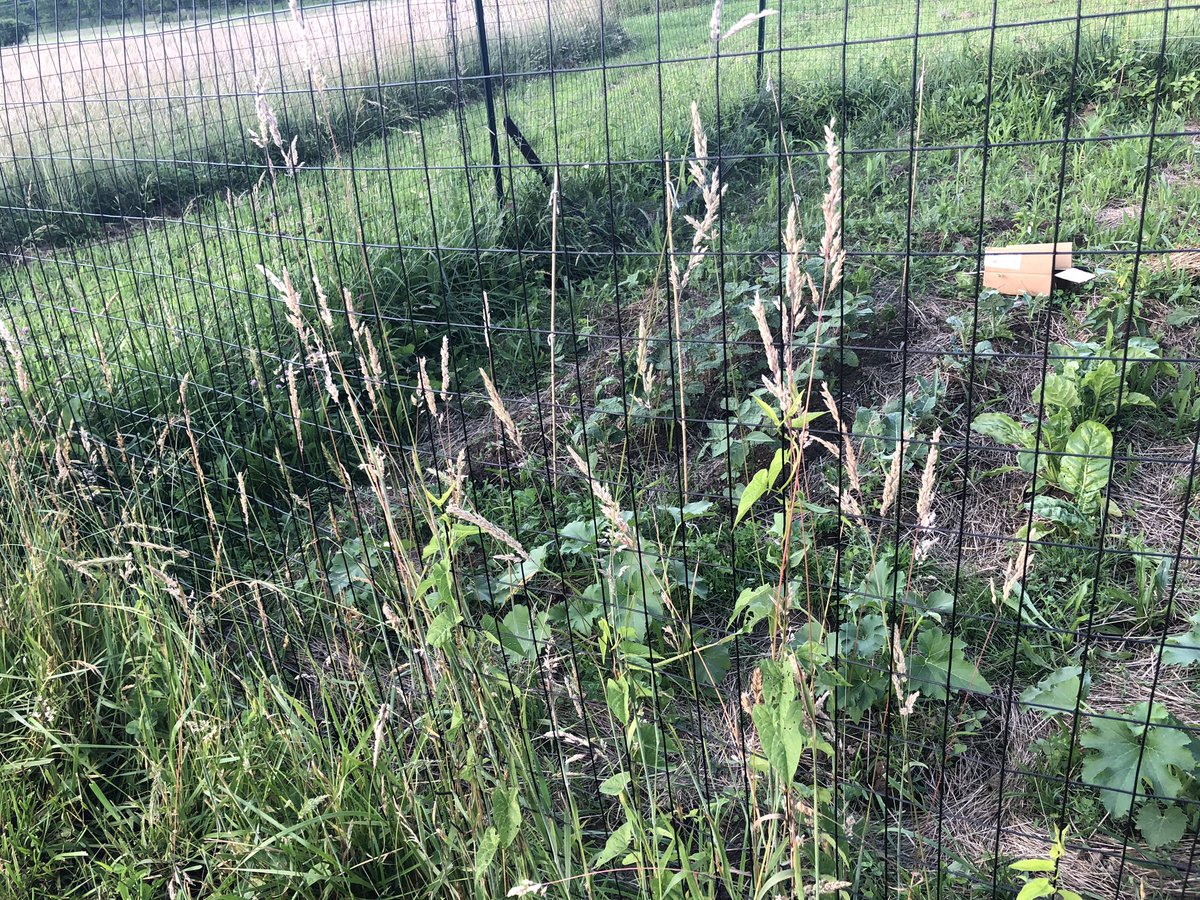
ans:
(608, 413)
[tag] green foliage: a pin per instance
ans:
(13, 32)
(1161, 826)
(1118, 765)
(1072, 444)
(938, 664)
(1042, 875)
(1059, 692)
(763, 481)
(1184, 649)
(780, 720)
(1084, 471)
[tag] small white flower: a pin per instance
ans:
(527, 888)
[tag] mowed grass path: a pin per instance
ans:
(131, 119)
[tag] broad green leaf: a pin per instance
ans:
(1142, 349)
(1033, 865)
(488, 845)
(779, 720)
(771, 415)
(1036, 887)
(648, 745)
(1059, 511)
(1084, 471)
(755, 604)
(1103, 381)
(940, 601)
(763, 481)
(935, 664)
(861, 639)
(1059, 391)
(1133, 398)
(1003, 429)
(617, 699)
(776, 466)
(1057, 692)
(577, 536)
(712, 665)
(1116, 747)
(442, 628)
(1183, 315)
(612, 786)
(883, 583)
(694, 510)
(517, 574)
(506, 815)
(1159, 826)
(524, 633)
(804, 419)
(1184, 649)
(617, 843)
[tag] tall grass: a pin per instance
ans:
(348, 717)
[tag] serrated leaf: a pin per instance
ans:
(1117, 746)
(613, 786)
(1003, 429)
(936, 664)
(1057, 692)
(442, 628)
(1183, 315)
(1159, 826)
(1084, 470)
(506, 815)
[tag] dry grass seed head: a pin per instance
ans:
(501, 412)
(891, 484)
(612, 512)
(14, 353)
(425, 393)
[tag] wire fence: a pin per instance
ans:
(670, 372)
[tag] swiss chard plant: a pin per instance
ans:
(1070, 448)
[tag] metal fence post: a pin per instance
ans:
(489, 99)
(762, 36)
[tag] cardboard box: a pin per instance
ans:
(1030, 268)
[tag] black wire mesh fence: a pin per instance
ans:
(688, 405)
